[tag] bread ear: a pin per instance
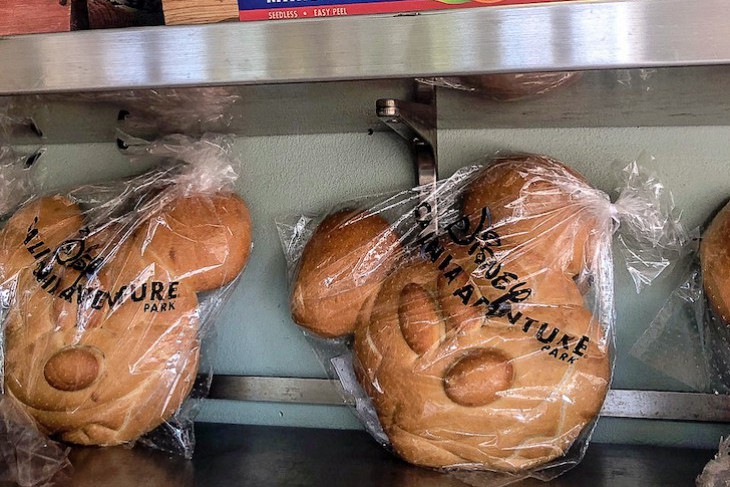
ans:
(532, 206)
(35, 232)
(203, 241)
(343, 264)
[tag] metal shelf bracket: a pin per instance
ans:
(417, 122)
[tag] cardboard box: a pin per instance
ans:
(203, 11)
(34, 16)
(307, 9)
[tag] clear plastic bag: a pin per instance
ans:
(689, 339)
(110, 290)
(508, 86)
(16, 179)
(472, 321)
(27, 457)
(191, 111)
(717, 471)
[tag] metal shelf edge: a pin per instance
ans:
(560, 36)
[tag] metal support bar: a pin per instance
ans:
(668, 406)
(417, 123)
(279, 389)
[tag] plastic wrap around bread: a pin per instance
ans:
(688, 339)
(478, 313)
(109, 290)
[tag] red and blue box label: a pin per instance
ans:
(312, 9)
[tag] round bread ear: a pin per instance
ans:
(343, 264)
(537, 208)
(35, 232)
(202, 241)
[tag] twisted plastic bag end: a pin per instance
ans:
(209, 164)
(27, 457)
(650, 236)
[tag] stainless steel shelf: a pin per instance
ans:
(571, 35)
(235, 455)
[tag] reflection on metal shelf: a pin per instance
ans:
(689, 96)
(229, 455)
(670, 406)
(561, 36)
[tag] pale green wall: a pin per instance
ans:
(284, 175)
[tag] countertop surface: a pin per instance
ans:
(234, 455)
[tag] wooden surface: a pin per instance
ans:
(33, 16)
(199, 11)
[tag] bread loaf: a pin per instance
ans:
(482, 353)
(715, 263)
(106, 384)
(103, 345)
(343, 263)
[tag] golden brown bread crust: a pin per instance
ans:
(146, 365)
(116, 354)
(438, 405)
(204, 241)
(715, 263)
(35, 231)
(342, 265)
(538, 207)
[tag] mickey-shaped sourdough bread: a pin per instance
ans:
(479, 351)
(102, 333)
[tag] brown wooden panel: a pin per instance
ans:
(34, 16)
(199, 11)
